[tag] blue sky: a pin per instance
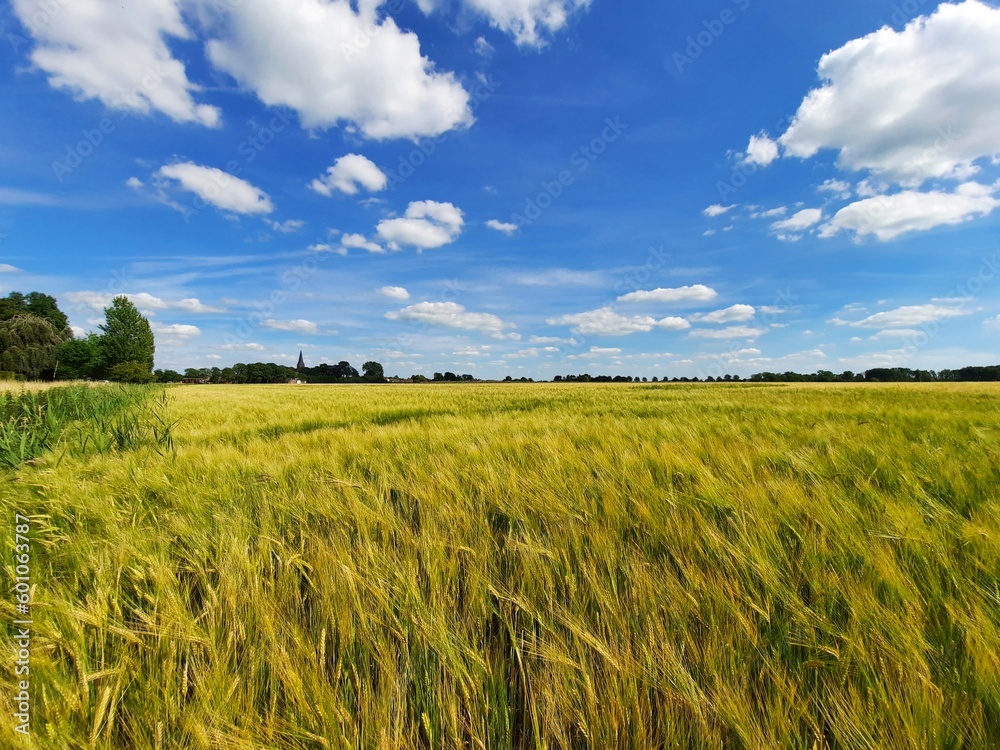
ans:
(524, 187)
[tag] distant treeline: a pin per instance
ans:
(887, 375)
(268, 372)
(876, 375)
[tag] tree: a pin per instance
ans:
(28, 346)
(37, 304)
(168, 376)
(130, 372)
(374, 372)
(80, 358)
(127, 335)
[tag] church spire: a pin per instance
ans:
(302, 363)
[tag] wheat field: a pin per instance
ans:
(521, 566)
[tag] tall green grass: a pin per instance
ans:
(524, 567)
(101, 418)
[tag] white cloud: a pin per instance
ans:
(718, 209)
(117, 53)
(483, 47)
(359, 242)
(733, 332)
(907, 317)
(607, 322)
(528, 21)
(909, 105)
(246, 347)
(501, 226)
(804, 219)
(840, 188)
(425, 225)
(298, 326)
(449, 315)
(7, 268)
(220, 189)
(897, 333)
(394, 292)
(762, 150)
(993, 323)
(135, 183)
(889, 216)
(348, 174)
(770, 213)
(176, 334)
(551, 340)
(734, 314)
(98, 301)
(323, 247)
(287, 227)
(332, 64)
(696, 293)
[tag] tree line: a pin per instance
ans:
(36, 342)
(268, 372)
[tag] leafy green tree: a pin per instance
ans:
(80, 358)
(130, 372)
(127, 335)
(373, 371)
(28, 346)
(168, 376)
(37, 304)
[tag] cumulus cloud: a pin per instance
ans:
(333, 64)
(425, 225)
(218, 188)
(718, 209)
(98, 301)
(348, 174)
(907, 317)
(607, 322)
(117, 53)
(449, 315)
(909, 105)
(359, 242)
(394, 292)
(501, 226)
(733, 332)
(298, 326)
(176, 334)
(889, 216)
(800, 221)
(696, 293)
(761, 150)
(734, 314)
(529, 22)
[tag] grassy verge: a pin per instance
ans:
(108, 417)
(578, 567)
